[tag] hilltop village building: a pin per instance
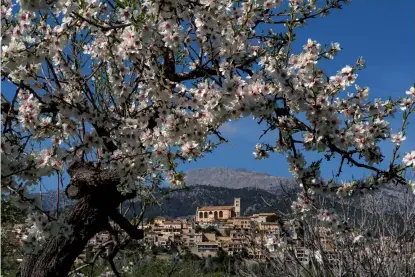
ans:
(224, 228)
(213, 213)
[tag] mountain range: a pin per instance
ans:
(239, 178)
(259, 192)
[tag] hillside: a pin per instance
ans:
(184, 203)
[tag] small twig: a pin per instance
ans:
(103, 28)
(113, 267)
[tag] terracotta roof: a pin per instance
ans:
(213, 208)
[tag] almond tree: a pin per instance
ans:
(116, 93)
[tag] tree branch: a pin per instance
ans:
(130, 229)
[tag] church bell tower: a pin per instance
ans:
(237, 205)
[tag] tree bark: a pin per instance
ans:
(98, 197)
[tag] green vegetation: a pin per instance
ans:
(228, 232)
(133, 264)
(212, 230)
(272, 218)
(10, 215)
(157, 268)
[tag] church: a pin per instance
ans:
(213, 213)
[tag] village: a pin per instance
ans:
(214, 228)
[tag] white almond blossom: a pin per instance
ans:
(398, 138)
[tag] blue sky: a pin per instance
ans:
(383, 33)
(379, 31)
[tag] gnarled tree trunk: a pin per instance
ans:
(98, 198)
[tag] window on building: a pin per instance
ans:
(216, 214)
(220, 214)
(201, 214)
(206, 215)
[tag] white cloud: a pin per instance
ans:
(228, 129)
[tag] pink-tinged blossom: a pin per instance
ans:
(260, 153)
(87, 49)
(409, 159)
(302, 204)
(411, 92)
(57, 164)
(308, 137)
(190, 150)
(398, 138)
(347, 70)
(295, 3)
(406, 103)
(346, 189)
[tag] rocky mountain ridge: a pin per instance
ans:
(259, 192)
(239, 178)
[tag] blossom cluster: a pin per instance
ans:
(409, 159)
(260, 153)
(37, 230)
(329, 218)
(346, 189)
